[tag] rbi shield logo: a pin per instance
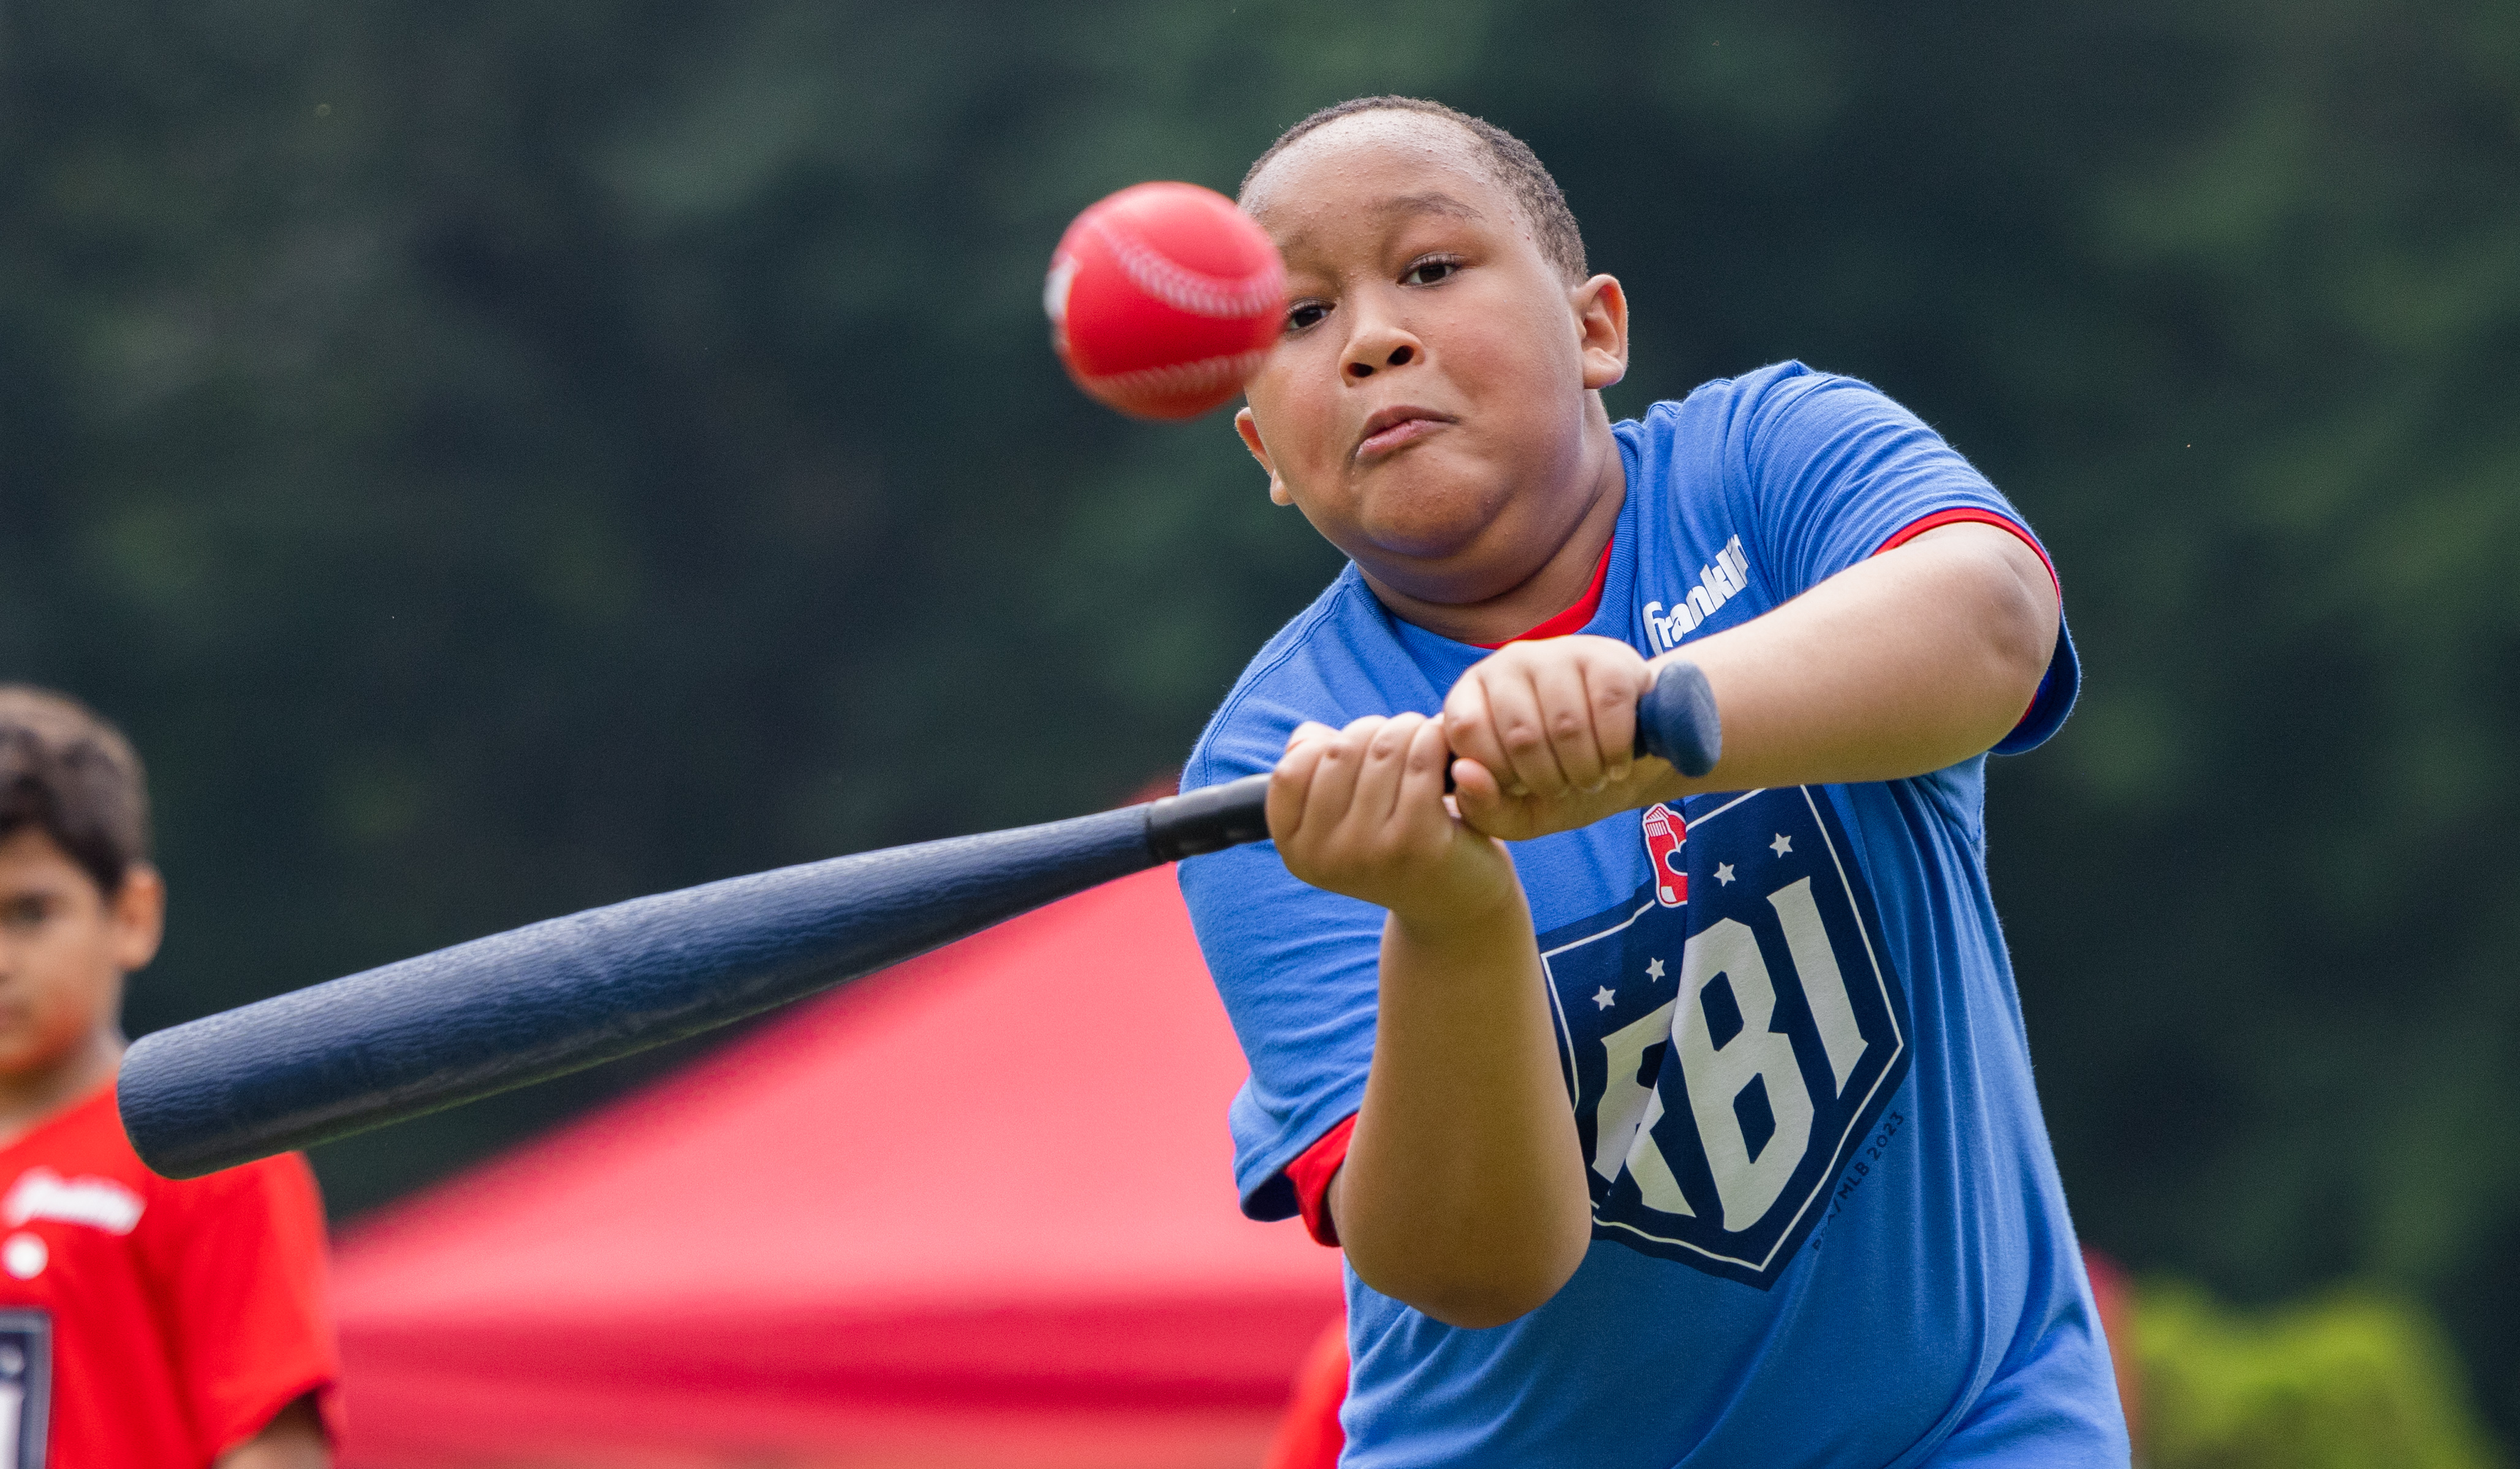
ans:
(1729, 1034)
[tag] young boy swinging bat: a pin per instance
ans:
(1663, 1121)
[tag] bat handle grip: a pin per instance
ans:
(1209, 819)
(1677, 721)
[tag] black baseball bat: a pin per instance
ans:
(538, 1002)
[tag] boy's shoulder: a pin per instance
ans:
(1795, 461)
(1339, 658)
(77, 1167)
(1743, 407)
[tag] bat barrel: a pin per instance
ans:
(522, 1007)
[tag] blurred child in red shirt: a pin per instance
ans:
(144, 1323)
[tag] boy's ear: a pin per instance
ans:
(137, 912)
(1601, 318)
(1249, 427)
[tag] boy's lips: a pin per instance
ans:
(1390, 428)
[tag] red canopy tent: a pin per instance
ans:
(975, 1212)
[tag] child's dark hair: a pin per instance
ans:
(71, 775)
(1508, 159)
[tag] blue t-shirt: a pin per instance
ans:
(1827, 1228)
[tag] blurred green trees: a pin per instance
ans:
(500, 458)
(2355, 1381)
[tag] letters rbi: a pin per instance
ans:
(1728, 1051)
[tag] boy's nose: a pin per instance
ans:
(1398, 356)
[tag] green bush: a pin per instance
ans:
(2356, 1381)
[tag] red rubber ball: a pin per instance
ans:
(1164, 299)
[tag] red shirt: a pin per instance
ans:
(149, 1324)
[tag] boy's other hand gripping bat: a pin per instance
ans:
(534, 1003)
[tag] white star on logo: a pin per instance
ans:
(1607, 997)
(1723, 873)
(1781, 845)
(1653, 970)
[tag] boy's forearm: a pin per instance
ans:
(1908, 662)
(1463, 1192)
(1912, 661)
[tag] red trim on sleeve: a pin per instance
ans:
(1574, 618)
(1970, 515)
(1311, 1173)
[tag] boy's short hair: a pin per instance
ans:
(1509, 159)
(67, 773)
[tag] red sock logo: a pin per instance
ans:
(1665, 833)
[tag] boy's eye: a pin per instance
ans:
(1305, 314)
(1429, 272)
(20, 915)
